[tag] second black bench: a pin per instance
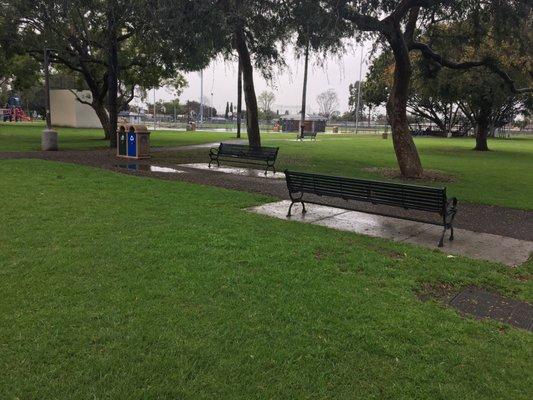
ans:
(413, 197)
(310, 134)
(240, 153)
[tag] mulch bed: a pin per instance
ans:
(475, 217)
(429, 174)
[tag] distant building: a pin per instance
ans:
(313, 123)
(67, 111)
(132, 118)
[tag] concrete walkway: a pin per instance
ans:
(482, 246)
(235, 170)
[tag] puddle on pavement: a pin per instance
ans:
(149, 168)
(236, 171)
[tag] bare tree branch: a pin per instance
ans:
(428, 53)
(79, 98)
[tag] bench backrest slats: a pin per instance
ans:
(245, 151)
(395, 194)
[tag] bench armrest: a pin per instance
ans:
(213, 151)
(451, 205)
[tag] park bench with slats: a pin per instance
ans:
(409, 197)
(307, 134)
(239, 153)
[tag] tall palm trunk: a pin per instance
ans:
(239, 99)
(304, 91)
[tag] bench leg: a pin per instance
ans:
(270, 166)
(213, 159)
(290, 209)
(441, 241)
(451, 233)
(293, 203)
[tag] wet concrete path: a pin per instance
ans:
(501, 221)
(482, 246)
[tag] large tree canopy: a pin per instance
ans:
(115, 46)
(18, 71)
(400, 26)
(257, 31)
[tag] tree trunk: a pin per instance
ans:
(252, 113)
(239, 99)
(112, 76)
(404, 146)
(481, 135)
(103, 116)
(304, 91)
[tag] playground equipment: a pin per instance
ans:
(14, 111)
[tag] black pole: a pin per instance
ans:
(47, 89)
(49, 141)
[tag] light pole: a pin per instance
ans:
(201, 96)
(49, 140)
(359, 92)
(155, 113)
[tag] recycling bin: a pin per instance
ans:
(133, 141)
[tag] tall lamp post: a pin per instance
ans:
(49, 140)
(359, 92)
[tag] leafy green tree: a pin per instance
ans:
(18, 71)
(486, 100)
(315, 32)
(400, 26)
(115, 46)
(266, 100)
(256, 31)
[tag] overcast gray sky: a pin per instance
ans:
(220, 79)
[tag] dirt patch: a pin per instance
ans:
(392, 254)
(429, 175)
(524, 278)
(442, 292)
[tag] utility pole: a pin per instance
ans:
(154, 109)
(359, 92)
(201, 96)
(49, 140)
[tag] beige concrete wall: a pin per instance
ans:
(67, 111)
(62, 108)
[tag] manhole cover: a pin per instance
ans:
(483, 304)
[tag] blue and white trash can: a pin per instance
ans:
(133, 141)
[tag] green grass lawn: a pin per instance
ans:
(27, 137)
(122, 287)
(501, 177)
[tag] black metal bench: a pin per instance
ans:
(303, 135)
(240, 153)
(414, 197)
